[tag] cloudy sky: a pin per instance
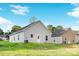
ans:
(64, 14)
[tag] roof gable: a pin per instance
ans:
(32, 24)
(57, 33)
(60, 32)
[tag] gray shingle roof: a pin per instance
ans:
(57, 33)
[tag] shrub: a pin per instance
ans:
(77, 43)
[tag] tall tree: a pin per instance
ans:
(59, 27)
(7, 34)
(1, 32)
(54, 28)
(50, 27)
(33, 19)
(15, 28)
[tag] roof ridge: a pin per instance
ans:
(25, 27)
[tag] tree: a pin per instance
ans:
(1, 32)
(33, 19)
(15, 28)
(54, 28)
(50, 27)
(7, 34)
(59, 27)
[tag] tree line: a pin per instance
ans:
(33, 19)
(53, 28)
(17, 27)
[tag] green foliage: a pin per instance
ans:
(38, 49)
(14, 46)
(1, 32)
(15, 28)
(59, 27)
(7, 34)
(50, 27)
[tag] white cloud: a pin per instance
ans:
(6, 24)
(75, 27)
(18, 9)
(75, 11)
(75, 4)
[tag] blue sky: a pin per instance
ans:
(63, 14)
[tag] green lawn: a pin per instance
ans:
(37, 49)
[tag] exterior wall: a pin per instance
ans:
(57, 40)
(37, 30)
(68, 37)
(17, 37)
(76, 38)
(3, 38)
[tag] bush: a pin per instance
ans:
(77, 43)
(1, 39)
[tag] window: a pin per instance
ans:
(46, 37)
(18, 37)
(54, 40)
(31, 35)
(38, 37)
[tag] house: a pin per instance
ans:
(37, 32)
(65, 36)
(2, 37)
(34, 32)
(76, 36)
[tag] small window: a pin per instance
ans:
(18, 37)
(31, 35)
(38, 37)
(46, 37)
(54, 40)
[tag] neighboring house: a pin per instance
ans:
(2, 37)
(65, 36)
(35, 32)
(76, 36)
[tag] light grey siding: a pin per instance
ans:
(36, 30)
(17, 37)
(57, 40)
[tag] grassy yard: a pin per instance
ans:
(36, 49)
